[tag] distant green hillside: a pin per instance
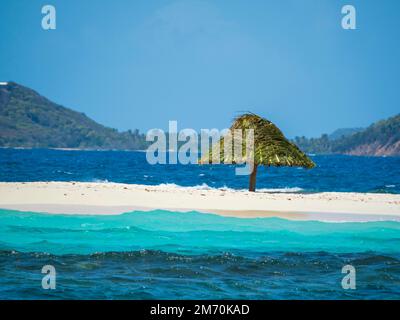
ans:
(380, 138)
(28, 119)
(343, 132)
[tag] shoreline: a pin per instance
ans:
(118, 198)
(144, 150)
(72, 149)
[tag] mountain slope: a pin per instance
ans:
(343, 132)
(380, 138)
(28, 119)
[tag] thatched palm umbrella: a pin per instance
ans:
(271, 148)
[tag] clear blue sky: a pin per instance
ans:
(138, 64)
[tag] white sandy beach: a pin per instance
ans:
(114, 198)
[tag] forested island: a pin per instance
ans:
(379, 139)
(27, 119)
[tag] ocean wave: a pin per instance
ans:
(205, 186)
(275, 258)
(188, 233)
(281, 190)
(95, 180)
(63, 172)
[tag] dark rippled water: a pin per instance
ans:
(172, 255)
(160, 275)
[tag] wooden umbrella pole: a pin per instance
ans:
(252, 181)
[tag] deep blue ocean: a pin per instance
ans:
(333, 173)
(174, 255)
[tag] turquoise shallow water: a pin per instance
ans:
(167, 255)
(188, 233)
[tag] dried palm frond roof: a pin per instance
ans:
(271, 148)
